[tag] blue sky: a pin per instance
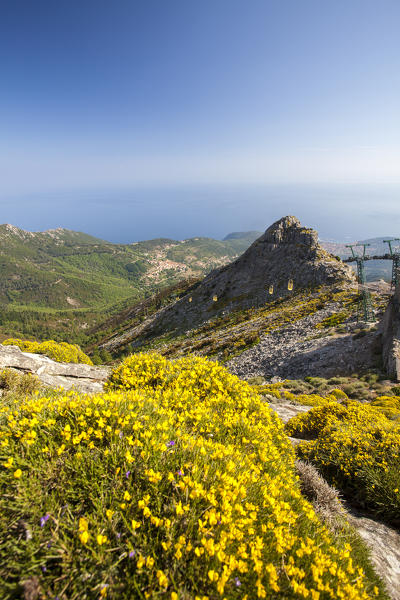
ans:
(173, 118)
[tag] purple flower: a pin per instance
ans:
(121, 434)
(44, 569)
(49, 544)
(171, 443)
(127, 474)
(44, 519)
(132, 554)
(118, 535)
(180, 472)
(238, 583)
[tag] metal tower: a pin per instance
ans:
(395, 254)
(352, 246)
(365, 309)
(395, 270)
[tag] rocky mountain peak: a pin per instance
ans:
(289, 230)
(287, 251)
(284, 259)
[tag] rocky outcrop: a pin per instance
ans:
(285, 258)
(390, 329)
(84, 378)
(286, 410)
(384, 544)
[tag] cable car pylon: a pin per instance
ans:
(395, 256)
(364, 309)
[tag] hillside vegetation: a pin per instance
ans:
(184, 488)
(59, 282)
(227, 336)
(70, 286)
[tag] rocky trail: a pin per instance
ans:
(382, 540)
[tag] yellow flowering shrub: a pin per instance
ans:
(181, 487)
(338, 394)
(270, 389)
(309, 425)
(389, 405)
(357, 449)
(145, 371)
(58, 351)
(150, 371)
(310, 399)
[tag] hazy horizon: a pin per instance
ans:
(132, 120)
(340, 213)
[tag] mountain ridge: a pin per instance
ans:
(58, 233)
(60, 283)
(286, 257)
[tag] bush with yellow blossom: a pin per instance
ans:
(177, 483)
(58, 351)
(389, 406)
(357, 448)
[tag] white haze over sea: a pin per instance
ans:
(341, 212)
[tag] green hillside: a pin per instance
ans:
(58, 283)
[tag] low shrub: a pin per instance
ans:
(270, 389)
(338, 394)
(184, 487)
(357, 449)
(298, 386)
(18, 383)
(388, 405)
(308, 426)
(58, 351)
(309, 399)
(333, 320)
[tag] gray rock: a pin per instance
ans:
(286, 410)
(84, 378)
(390, 330)
(384, 544)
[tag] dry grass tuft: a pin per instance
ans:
(323, 497)
(13, 381)
(31, 588)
